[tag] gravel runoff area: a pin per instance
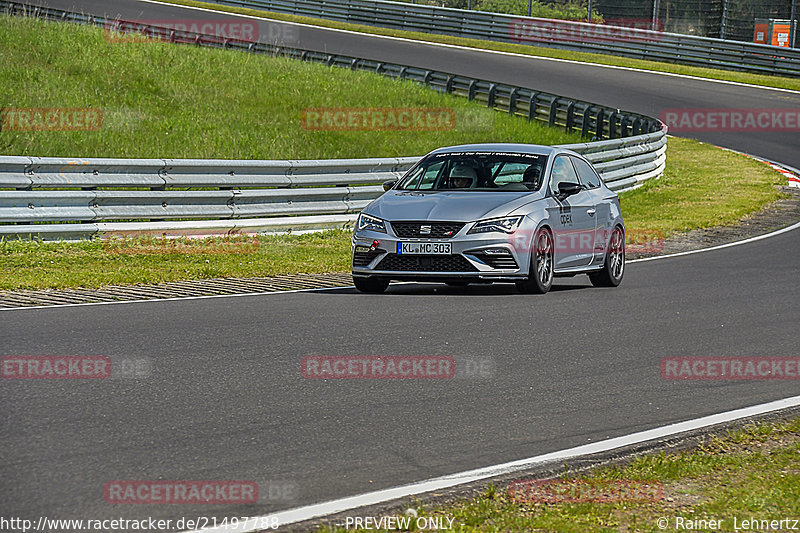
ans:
(779, 214)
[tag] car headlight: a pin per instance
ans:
(502, 225)
(367, 222)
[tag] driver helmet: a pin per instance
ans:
(462, 176)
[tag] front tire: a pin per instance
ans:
(371, 285)
(540, 275)
(614, 265)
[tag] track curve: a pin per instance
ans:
(226, 399)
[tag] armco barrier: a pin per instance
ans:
(94, 196)
(55, 198)
(569, 35)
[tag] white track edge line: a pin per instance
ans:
(475, 49)
(300, 514)
(720, 246)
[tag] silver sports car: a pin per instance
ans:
(489, 213)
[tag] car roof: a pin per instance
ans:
(500, 147)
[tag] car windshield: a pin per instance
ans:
(477, 171)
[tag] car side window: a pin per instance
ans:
(510, 173)
(562, 172)
(586, 173)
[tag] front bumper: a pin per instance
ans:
(477, 257)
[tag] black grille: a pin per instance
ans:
(504, 261)
(362, 259)
(426, 263)
(439, 230)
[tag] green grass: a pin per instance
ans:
(750, 473)
(161, 100)
(703, 186)
(34, 264)
(524, 49)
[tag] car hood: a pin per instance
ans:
(456, 206)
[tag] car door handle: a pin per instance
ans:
(591, 212)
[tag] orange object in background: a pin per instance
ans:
(776, 32)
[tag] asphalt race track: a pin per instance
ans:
(225, 399)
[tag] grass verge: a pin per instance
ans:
(703, 186)
(161, 100)
(524, 49)
(746, 474)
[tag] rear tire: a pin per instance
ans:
(614, 264)
(540, 276)
(371, 285)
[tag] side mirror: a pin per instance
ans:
(566, 188)
(388, 184)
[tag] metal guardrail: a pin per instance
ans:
(54, 198)
(570, 35)
(68, 198)
(58, 198)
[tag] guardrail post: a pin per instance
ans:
(471, 94)
(637, 126)
(402, 74)
(379, 68)
(570, 115)
(553, 112)
(599, 124)
(512, 101)
(304, 56)
(532, 106)
(330, 60)
(612, 125)
(492, 93)
(587, 116)
(623, 126)
(426, 80)
(354, 63)
(448, 86)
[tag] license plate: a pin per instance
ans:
(425, 248)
